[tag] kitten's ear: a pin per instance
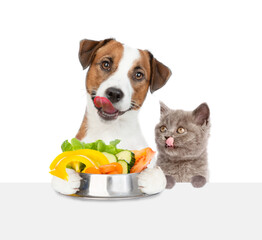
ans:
(201, 114)
(163, 109)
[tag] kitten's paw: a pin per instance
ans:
(170, 182)
(67, 187)
(152, 180)
(198, 181)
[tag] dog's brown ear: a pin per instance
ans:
(159, 74)
(88, 49)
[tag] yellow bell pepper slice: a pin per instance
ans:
(95, 156)
(60, 168)
(75, 165)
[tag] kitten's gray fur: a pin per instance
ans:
(187, 161)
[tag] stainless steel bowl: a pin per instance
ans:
(109, 186)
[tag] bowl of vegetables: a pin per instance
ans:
(107, 172)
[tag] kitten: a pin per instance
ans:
(181, 138)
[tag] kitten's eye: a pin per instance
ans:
(106, 65)
(180, 130)
(163, 129)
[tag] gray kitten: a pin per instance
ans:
(181, 138)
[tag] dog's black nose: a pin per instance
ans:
(114, 94)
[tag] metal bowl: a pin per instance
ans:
(109, 186)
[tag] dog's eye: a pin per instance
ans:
(180, 130)
(163, 128)
(106, 65)
(139, 75)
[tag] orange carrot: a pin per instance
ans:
(139, 153)
(118, 168)
(93, 170)
(143, 158)
(114, 172)
(104, 169)
(111, 167)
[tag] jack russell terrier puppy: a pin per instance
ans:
(123, 75)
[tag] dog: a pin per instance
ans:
(123, 75)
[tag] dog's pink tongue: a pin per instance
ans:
(105, 104)
(170, 142)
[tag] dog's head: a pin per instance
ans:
(121, 74)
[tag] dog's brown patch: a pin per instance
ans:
(83, 129)
(140, 87)
(112, 50)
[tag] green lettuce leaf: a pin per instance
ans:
(115, 142)
(88, 145)
(76, 144)
(66, 146)
(98, 145)
(110, 149)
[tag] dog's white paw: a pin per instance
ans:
(152, 180)
(67, 187)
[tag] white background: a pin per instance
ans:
(212, 47)
(217, 211)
